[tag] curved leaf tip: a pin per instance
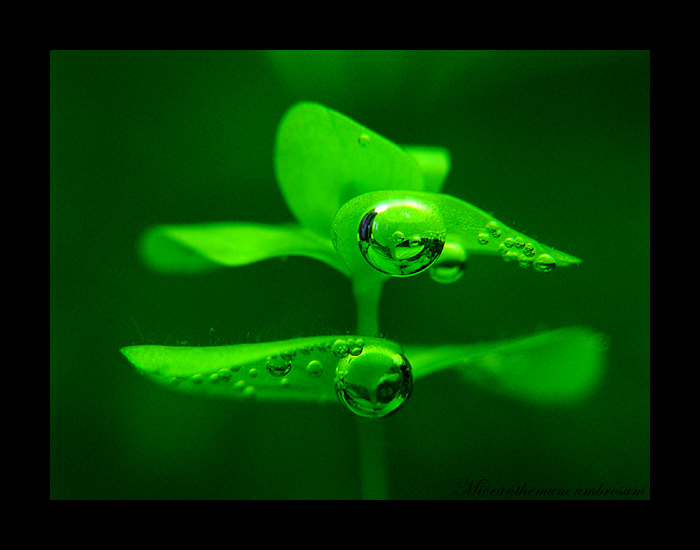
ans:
(200, 247)
(562, 366)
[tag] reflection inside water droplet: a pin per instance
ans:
(373, 384)
(402, 237)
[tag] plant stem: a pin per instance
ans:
(368, 291)
(372, 459)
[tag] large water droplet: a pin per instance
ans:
(449, 267)
(373, 384)
(401, 237)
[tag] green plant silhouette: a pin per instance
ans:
(372, 210)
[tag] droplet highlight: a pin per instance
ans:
(402, 237)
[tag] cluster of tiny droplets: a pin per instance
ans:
(277, 366)
(516, 249)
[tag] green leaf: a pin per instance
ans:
(323, 159)
(560, 366)
(467, 226)
(300, 369)
(434, 162)
(199, 247)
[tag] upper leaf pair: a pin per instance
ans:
(333, 172)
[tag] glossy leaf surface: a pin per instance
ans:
(300, 369)
(475, 231)
(199, 247)
(555, 367)
(323, 159)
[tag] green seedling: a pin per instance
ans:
(371, 210)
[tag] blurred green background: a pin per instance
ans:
(554, 143)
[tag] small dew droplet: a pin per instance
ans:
(340, 348)
(494, 229)
(364, 140)
(278, 368)
(225, 374)
(315, 368)
(355, 346)
(545, 263)
(449, 267)
(482, 238)
(253, 372)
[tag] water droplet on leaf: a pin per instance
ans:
(383, 243)
(364, 140)
(449, 267)
(340, 348)
(226, 374)
(314, 368)
(355, 347)
(278, 367)
(544, 263)
(373, 384)
(494, 229)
